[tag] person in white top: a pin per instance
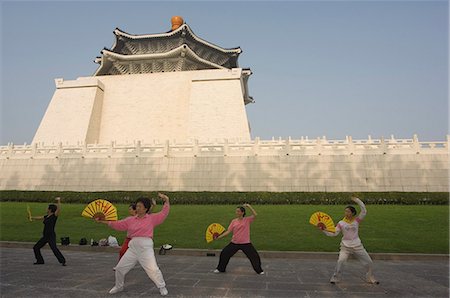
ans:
(350, 243)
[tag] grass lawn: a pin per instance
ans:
(387, 228)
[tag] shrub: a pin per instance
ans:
(235, 198)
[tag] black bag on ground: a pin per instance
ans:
(65, 241)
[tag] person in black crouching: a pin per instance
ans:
(49, 235)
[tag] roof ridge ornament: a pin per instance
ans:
(176, 21)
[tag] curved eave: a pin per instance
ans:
(246, 72)
(119, 32)
(181, 51)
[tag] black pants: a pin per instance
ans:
(232, 248)
(51, 240)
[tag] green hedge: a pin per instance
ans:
(233, 198)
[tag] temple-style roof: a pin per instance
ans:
(179, 59)
(177, 50)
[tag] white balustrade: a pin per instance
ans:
(257, 147)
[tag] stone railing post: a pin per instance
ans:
(319, 146)
(288, 147)
(33, 150)
(84, 149)
(256, 146)
(416, 144)
(383, 146)
(350, 145)
(111, 149)
(138, 148)
(195, 148)
(10, 150)
(226, 148)
(166, 148)
(59, 152)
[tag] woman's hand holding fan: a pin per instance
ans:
(213, 231)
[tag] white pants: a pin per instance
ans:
(140, 249)
(360, 253)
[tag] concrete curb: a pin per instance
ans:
(263, 253)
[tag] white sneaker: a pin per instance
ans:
(163, 291)
(216, 271)
(334, 279)
(372, 280)
(262, 273)
(115, 290)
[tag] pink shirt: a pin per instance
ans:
(141, 227)
(241, 230)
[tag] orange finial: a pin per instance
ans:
(177, 21)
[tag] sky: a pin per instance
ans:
(320, 68)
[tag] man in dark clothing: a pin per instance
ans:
(49, 235)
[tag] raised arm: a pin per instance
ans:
(361, 205)
(159, 217)
(58, 206)
(251, 209)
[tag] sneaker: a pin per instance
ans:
(262, 273)
(63, 264)
(216, 271)
(372, 280)
(334, 280)
(115, 290)
(163, 291)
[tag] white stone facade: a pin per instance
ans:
(204, 105)
(277, 166)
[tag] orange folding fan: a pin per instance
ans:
(213, 231)
(29, 212)
(100, 209)
(322, 220)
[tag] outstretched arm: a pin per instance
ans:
(101, 221)
(36, 217)
(228, 231)
(361, 205)
(58, 206)
(224, 234)
(332, 234)
(118, 225)
(251, 208)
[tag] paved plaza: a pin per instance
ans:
(90, 274)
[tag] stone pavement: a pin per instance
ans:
(90, 274)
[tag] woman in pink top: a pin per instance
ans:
(350, 243)
(132, 212)
(140, 229)
(240, 227)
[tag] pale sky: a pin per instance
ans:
(320, 68)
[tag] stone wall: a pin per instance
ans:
(276, 166)
(203, 105)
